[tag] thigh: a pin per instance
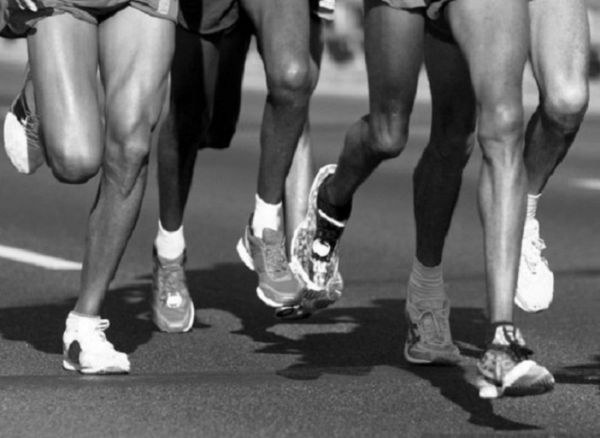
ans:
(136, 50)
(282, 29)
(559, 42)
(394, 55)
(194, 74)
(226, 98)
(64, 60)
(452, 100)
(494, 36)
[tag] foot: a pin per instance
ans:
(312, 301)
(429, 340)
(277, 285)
(535, 287)
(172, 306)
(505, 368)
(86, 349)
(21, 134)
(315, 245)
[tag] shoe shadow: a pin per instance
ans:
(585, 374)
(375, 339)
(42, 326)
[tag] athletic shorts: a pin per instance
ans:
(93, 11)
(433, 7)
(208, 17)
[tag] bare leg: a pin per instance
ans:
(393, 50)
(63, 57)
(560, 55)
(284, 32)
(297, 185)
(438, 176)
(135, 52)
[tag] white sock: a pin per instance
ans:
(426, 282)
(532, 202)
(169, 244)
(265, 216)
(81, 320)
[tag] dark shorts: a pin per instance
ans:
(21, 22)
(208, 17)
(433, 7)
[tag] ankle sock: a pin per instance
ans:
(169, 244)
(265, 216)
(425, 282)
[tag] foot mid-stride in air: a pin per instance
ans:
(493, 57)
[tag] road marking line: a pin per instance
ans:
(37, 259)
(587, 183)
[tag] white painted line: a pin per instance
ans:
(587, 183)
(37, 259)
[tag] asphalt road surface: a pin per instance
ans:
(242, 373)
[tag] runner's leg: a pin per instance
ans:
(559, 54)
(438, 176)
(496, 61)
(135, 52)
(63, 59)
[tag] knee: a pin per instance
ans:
(388, 137)
(500, 133)
(565, 105)
(73, 157)
(291, 83)
(128, 142)
(74, 168)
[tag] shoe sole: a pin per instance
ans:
(517, 383)
(247, 260)
(70, 366)
(442, 361)
(164, 326)
(300, 245)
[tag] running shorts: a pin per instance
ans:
(93, 11)
(433, 7)
(208, 17)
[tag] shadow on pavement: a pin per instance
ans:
(371, 336)
(42, 326)
(585, 374)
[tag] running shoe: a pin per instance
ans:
(277, 285)
(86, 349)
(326, 9)
(312, 301)
(172, 306)
(21, 134)
(506, 367)
(535, 285)
(315, 246)
(429, 340)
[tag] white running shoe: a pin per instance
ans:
(86, 349)
(535, 285)
(21, 134)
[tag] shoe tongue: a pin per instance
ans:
(272, 236)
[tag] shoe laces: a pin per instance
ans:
(98, 339)
(275, 259)
(173, 279)
(509, 339)
(432, 322)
